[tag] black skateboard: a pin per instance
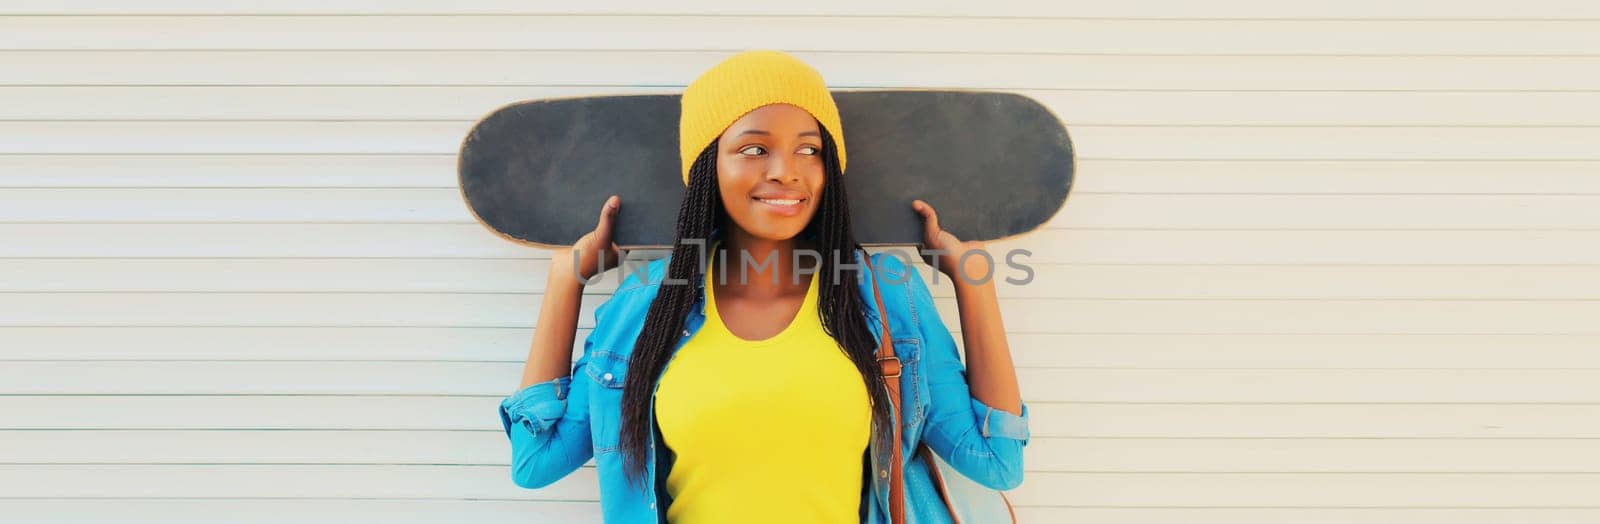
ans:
(994, 165)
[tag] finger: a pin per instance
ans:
(930, 219)
(608, 212)
(608, 209)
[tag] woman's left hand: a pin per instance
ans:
(951, 248)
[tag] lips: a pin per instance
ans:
(786, 204)
(780, 196)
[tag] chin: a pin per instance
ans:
(779, 235)
(777, 232)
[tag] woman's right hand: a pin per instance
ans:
(595, 248)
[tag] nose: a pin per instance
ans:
(782, 169)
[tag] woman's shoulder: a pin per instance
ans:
(892, 263)
(894, 268)
(639, 275)
(623, 313)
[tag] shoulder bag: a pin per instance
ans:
(966, 501)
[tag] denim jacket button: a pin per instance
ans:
(883, 473)
(607, 377)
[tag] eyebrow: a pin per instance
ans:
(760, 132)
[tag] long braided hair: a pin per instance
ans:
(840, 305)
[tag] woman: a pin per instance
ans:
(729, 382)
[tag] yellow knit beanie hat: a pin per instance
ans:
(742, 83)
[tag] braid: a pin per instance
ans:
(696, 215)
(840, 305)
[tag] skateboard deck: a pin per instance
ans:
(993, 165)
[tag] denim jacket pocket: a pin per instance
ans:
(913, 388)
(608, 371)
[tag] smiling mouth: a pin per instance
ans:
(785, 207)
(781, 201)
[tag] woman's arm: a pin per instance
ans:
(550, 355)
(976, 418)
(549, 441)
(989, 369)
(990, 372)
(982, 442)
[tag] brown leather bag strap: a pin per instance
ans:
(890, 364)
(891, 373)
(891, 377)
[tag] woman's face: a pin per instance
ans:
(769, 168)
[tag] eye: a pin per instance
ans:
(814, 150)
(746, 150)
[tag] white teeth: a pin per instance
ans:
(780, 202)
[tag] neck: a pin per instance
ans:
(771, 269)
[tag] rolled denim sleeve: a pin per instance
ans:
(535, 408)
(548, 422)
(1001, 423)
(548, 426)
(981, 442)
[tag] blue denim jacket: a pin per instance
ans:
(556, 426)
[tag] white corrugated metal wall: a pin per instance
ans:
(1324, 261)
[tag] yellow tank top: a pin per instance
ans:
(772, 430)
